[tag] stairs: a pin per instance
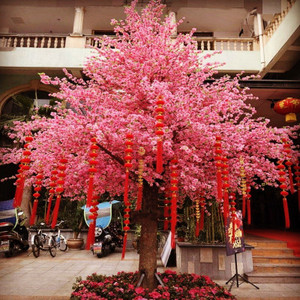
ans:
(273, 262)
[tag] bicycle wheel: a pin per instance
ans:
(62, 245)
(36, 241)
(35, 250)
(52, 248)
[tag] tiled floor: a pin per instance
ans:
(25, 277)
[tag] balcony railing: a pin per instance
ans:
(204, 43)
(32, 40)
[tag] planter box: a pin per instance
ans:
(211, 260)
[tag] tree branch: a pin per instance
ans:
(116, 158)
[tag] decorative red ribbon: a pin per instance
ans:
(36, 195)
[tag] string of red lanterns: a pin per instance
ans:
(21, 176)
(36, 195)
(225, 186)
(140, 179)
(59, 189)
(159, 132)
(174, 190)
(51, 193)
(92, 170)
(297, 173)
(218, 160)
(284, 193)
(167, 202)
(127, 165)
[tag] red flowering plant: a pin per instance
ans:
(123, 286)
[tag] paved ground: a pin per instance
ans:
(25, 277)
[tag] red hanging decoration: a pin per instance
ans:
(248, 200)
(218, 159)
(225, 187)
(92, 225)
(36, 195)
(24, 166)
(174, 189)
(159, 132)
(297, 173)
(232, 216)
(51, 193)
(288, 163)
(127, 165)
(167, 209)
(59, 189)
(197, 214)
(243, 186)
(288, 107)
(140, 179)
(92, 170)
(284, 193)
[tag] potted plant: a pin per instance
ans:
(74, 218)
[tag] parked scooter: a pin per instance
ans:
(106, 241)
(13, 238)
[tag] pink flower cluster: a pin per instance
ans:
(125, 77)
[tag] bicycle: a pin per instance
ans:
(39, 241)
(57, 240)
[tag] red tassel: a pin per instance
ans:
(291, 181)
(219, 184)
(139, 198)
(124, 245)
(48, 209)
(299, 199)
(244, 206)
(197, 229)
(159, 160)
(19, 192)
(91, 235)
(90, 192)
(249, 211)
(33, 213)
(173, 219)
(233, 230)
(126, 188)
(286, 213)
(55, 211)
(202, 219)
(225, 207)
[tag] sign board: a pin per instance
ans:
(237, 244)
(166, 252)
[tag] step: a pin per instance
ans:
(276, 268)
(272, 252)
(267, 243)
(257, 277)
(276, 259)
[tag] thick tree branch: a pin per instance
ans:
(116, 158)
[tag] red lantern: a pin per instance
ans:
(288, 163)
(92, 225)
(159, 132)
(288, 107)
(243, 186)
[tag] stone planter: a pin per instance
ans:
(211, 260)
(75, 244)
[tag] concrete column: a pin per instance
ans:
(259, 22)
(78, 21)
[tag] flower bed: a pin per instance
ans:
(122, 286)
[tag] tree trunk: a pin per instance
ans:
(148, 240)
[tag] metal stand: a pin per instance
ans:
(143, 276)
(236, 276)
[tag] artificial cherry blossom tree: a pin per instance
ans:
(126, 76)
